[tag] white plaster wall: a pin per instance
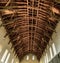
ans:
(4, 45)
(56, 41)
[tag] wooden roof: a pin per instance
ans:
(29, 24)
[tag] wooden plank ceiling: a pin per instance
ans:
(29, 24)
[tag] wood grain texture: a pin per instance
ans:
(29, 24)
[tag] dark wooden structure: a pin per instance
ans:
(29, 24)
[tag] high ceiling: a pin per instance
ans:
(29, 24)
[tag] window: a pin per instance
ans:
(7, 58)
(46, 58)
(4, 55)
(12, 61)
(27, 58)
(51, 53)
(33, 57)
(54, 49)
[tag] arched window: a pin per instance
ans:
(54, 49)
(46, 58)
(27, 57)
(7, 58)
(4, 56)
(51, 52)
(33, 57)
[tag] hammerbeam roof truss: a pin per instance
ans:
(29, 24)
